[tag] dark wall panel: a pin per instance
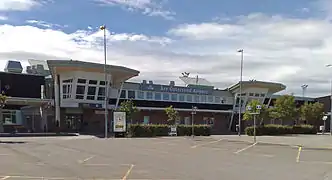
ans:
(21, 85)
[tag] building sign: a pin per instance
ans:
(119, 124)
(174, 89)
(91, 105)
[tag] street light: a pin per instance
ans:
(254, 112)
(328, 66)
(304, 88)
(103, 28)
(240, 97)
(193, 112)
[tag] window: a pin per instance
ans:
(181, 97)
(165, 96)
(91, 93)
(102, 83)
(256, 95)
(140, 95)
(123, 94)
(131, 94)
(101, 93)
(210, 99)
(68, 81)
(203, 98)
(217, 99)
(174, 97)
(196, 98)
(80, 90)
(189, 98)
(66, 91)
(251, 94)
(81, 81)
(262, 95)
(9, 117)
(157, 96)
(149, 95)
(93, 82)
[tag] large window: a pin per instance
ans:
(131, 94)
(140, 95)
(67, 88)
(203, 98)
(165, 96)
(174, 97)
(91, 93)
(101, 94)
(80, 90)
(9, 117)
(181, 97)
(123, 94)
(149, 95)
(157, 96)
(196, 98)
(81, 81)
(210, 99)
(189, 98)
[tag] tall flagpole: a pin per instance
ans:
(103, 28)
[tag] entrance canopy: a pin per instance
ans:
(271, 86)
(119, 73)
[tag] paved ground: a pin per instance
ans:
(308, 141)
(158, 158)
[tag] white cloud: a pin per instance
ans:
(3, 18)
(291, 51)
(147, 7)
(45, 24)
(19, 5)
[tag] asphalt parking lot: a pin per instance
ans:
(186, 158)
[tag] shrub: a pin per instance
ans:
(272, 129)
(153, 130)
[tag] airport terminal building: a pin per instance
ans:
(70, 95)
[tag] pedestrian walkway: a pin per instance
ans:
(308, 141)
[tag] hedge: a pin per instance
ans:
(153, 130)
(272, 129)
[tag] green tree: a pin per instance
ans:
(129, 107)
(264, 113)
(173, 115)
(3, 100)
(285, 108)
(312, 113)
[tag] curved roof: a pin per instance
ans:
(272, 86)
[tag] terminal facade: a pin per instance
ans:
(70, 95)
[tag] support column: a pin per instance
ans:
(57, 98)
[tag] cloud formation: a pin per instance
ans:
(146, 7)
(276, 48)
(20, 5)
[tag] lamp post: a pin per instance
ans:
(328, 66)
(193, 112)
(304, 88)
(240, 96)
(254, 112)
(103, 28)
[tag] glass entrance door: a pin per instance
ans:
(74, 122)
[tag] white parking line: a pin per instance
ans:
(237, 152)
(6, 177)
(195, 146)
(85, 160)
(298, 154)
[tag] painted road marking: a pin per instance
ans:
(212, 142)
(128, 172)
(87, 159)
(237, 152)
(299, 154)
(6, 177)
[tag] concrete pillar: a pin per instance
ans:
(57, 98)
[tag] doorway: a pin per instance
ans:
(74, 122)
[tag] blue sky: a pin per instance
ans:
(284, 41)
